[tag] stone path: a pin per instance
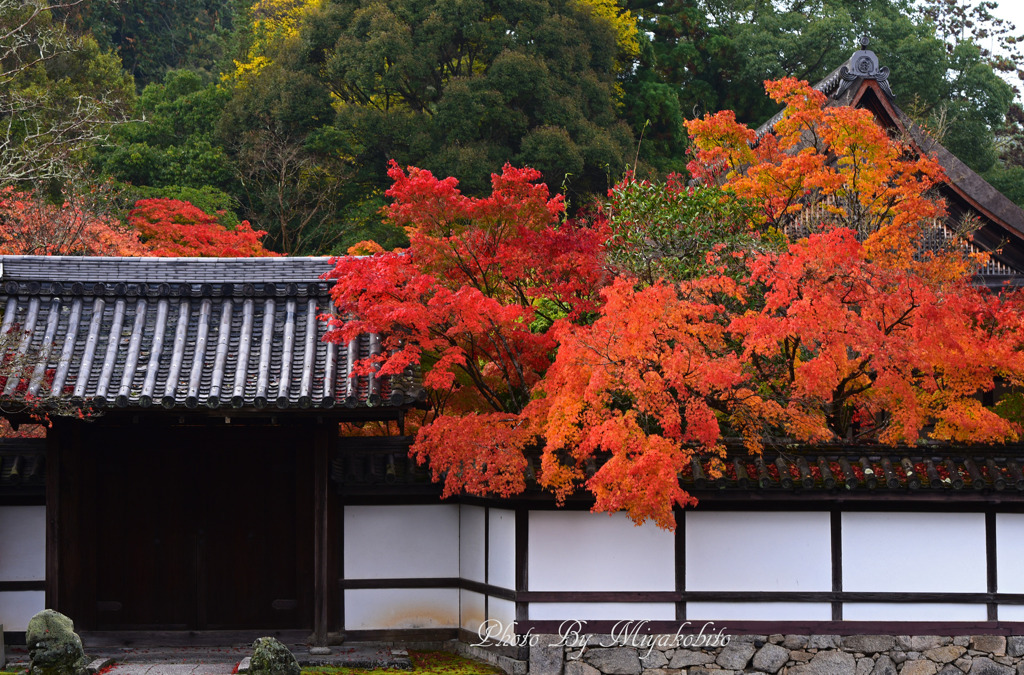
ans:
(223, 660)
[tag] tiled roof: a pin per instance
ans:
(378, 463)
(184, 333)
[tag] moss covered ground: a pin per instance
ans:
(424, 663)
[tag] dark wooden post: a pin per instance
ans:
(321, 571)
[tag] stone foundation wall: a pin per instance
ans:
(783, 655)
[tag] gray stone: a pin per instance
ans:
(961, 640)
(921, 643)
(865, 665)
(736, 656)
(770, 658)
(884, 666)
(801, 656)
(913, 656)
(546, 658)
(776, 638)
(95, 666)
(653, 659)
(898, 657)
(794, 641)
(580, 668)
(243, 665)
(950, 669)
(919, 667)
(827, 663)
(823, 642)
(326, 651)
(1005, 660)
(963, 663)
(1015, 645)
(684, 658)
(611, 661)
(868, 644)
(985, 666)
(993, 644)
(709, 671)
(1020, 668)
(53, 646)
(271, 657)
(944, 654)
(660, 671)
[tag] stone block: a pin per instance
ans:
(794, 641)
(653, 659)
(243, 665)
(919, 667)
(710, 671)
(986, 666)
(993, 644)
(546, 659)
(94, 666)
(54, 647)
(770, 658)
(823, 642)
(865, 665)
(736, 656)
(580, 668)
(800, 656)
(684, 658)
(921, 643)
(868, 644)
(827, 663)
(1015, 645)
(950, 669)
(612, 661)
(945, 654)
(884, 666)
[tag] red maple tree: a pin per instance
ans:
(170, 227)
(852, 330)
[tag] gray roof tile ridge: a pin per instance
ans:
(93, 268)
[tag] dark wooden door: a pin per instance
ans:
(203, 529)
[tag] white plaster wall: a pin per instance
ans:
(22, 543)
(392, 608)
(395, 542)
(471, 610)
(501, 615)
(890, 552)
(1009, 554)
(574, 551)
(751, 551)
(501, 554)
(17, 607)
(602, 611)
(907, 611)
(758, 611)
(471, 543)
(1011, 612)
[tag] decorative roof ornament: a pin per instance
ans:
(864, 64)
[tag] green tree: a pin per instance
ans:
(461, 88)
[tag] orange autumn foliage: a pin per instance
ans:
(29, 225)
(170, 227)
(853, 330)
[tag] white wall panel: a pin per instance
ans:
(889, 552)
(22, 543)
(574, 551)
(758, 611)
(390, 608)
(908, 611)
(602, 611)
(1011, 612)
(750, 551)
(471, 543)
(502, 549)
(502, 613)
(17, 607)
(392, 542)
(471, 610)
(1009, 553)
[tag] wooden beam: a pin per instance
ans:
(321, 536)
